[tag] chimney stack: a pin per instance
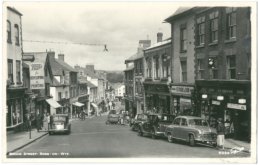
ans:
(61, 57)
(159, 37)
(51, 54)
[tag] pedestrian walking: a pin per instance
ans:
(220, 133)
(38, 122)
(48, 121)
(27, 121)
(45, 122)
(51, 121)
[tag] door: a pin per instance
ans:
(175, 130)
(183, 129)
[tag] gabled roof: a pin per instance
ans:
(91, 85)
(55, 82)
(59, 66)
(14, 10)
(136, 56)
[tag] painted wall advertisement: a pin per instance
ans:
(37, 76)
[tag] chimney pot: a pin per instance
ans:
(61, 57)
(159, 37)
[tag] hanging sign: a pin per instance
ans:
(236, 106)
(37, 76)
(177, 90)
(214, 102)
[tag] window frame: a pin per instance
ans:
(200, 68)
(10, 61)
(9, 31)
(230, 68)
(156, 67)
(17, 34)
(231, 24)
(183, 39)
(18, 72)
(214, 71)
(183, 73)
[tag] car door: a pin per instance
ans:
(184, 129)
(175, 129)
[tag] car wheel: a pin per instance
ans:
(170, 138)
(50, 133)
(191, 140)
(153, 134)
(140, 133)
(132, 127)
(214, 145)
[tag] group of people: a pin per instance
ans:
(44, 122)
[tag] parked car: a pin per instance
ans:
(60, 124)
(139, 118)
(113, 117)
(192, 130)
(146, 127)
(156, 125)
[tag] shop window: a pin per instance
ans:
(231, 65)
(183, 71)
(183, 39)
(200, 69)
(18, 71)
(17, 37)
(9, 32)
(10, 70)
(214, 26)
(231, 22)
(201, 31)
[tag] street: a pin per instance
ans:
(92, 138)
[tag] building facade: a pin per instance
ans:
(14, 88)
(223, 67)
(157, 76)
(182, 68)
(129, 90)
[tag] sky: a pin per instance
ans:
(119, 25)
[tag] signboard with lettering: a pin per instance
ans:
(214, 102)
(37, 80)
(185, 90)
(236, 106)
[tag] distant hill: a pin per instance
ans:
(115, 77)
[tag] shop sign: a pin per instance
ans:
(186, 90)
(37, 80)
(214, 102)
(236, 106)
(185, 100)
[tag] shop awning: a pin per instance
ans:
(53, 103)
(94, 105)
(78, 104)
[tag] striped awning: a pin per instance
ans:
(78, 104)
(53, 103)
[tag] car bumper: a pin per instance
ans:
(206, 140)
(58, 130)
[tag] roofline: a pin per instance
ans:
(173, 17)
(157, 46)
(14, 10)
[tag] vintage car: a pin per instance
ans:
(113, 117)
(59, 123)
(155, 125)
(139, 118)
(192, 130)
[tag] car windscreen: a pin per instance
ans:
(112, 112)
(59, 118)
(199, 122)
(142, 117)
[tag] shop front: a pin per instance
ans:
(182, 102)
(84, 100)
(228, 100)
(15, 110)
(157, 98)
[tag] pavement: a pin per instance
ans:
(16, 141)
